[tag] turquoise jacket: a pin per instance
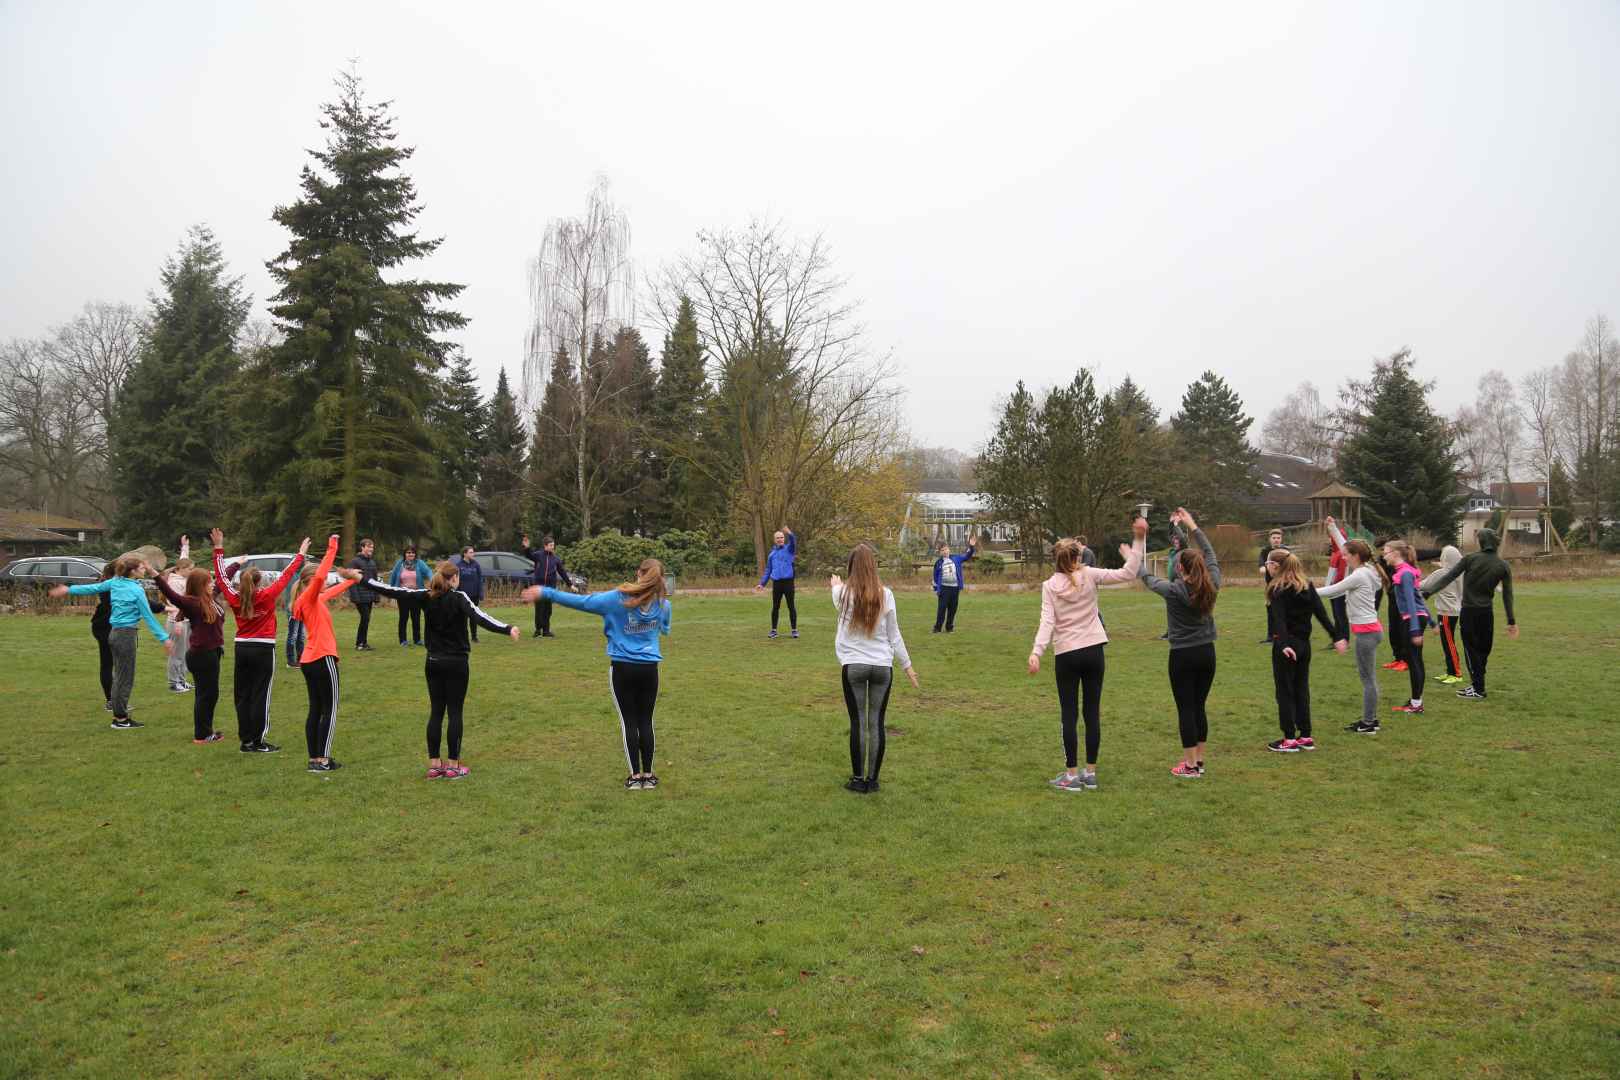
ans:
(129, 606)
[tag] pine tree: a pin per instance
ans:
(681, 454)
(1215, 465)
(503, 472)
(347, 432)
(552, 455)
(459, 419)
(1401, 457)
(171, 423)
(1012, 471)
(619, 438)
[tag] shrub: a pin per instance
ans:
(990, 563)
(612, 556)
(688, 552)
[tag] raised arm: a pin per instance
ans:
(792, 542)
(285, 579)
(1335, 535)
(341, 587)
(1210, 559)
(175, 598)
(1133, 563)
(222, 580)
(312, 591)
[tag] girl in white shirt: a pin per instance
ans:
(867, 646)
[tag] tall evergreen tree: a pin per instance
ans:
(459, 419)
(170, 425)
(621, 449)
(553, 453)
(1012, 471)
(1401, 458)
(1215, 463)
(346, 435)
(679, 418)
(503, 473)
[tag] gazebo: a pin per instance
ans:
(1347, 500)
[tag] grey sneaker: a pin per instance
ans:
(1089, 779)
(1064, 782)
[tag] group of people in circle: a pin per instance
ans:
(869, 645)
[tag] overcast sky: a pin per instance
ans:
(1276, 192)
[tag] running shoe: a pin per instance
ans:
(325, 766)
(1395, 665)
(435, 772)
(1064, 782)
(1186, 771)
(1468, 693)
(179, 687)
(794, 635)
(1283, 746)
(871, 785)
(649, 781)
(453, 772)
(213, 736)
(1411, 708)
(632, 783)
(126, 724)
(1361, 727)
(856, 784)
(1089, 780)
(1200, 768)
(936, 629)
(1305, 742)
(772, 635)
(106, 706)
(1448, 679)
(260, 747)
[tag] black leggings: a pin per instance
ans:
(635, 695)
(447, 691)
(106, 665)
(255, 672)
(1077, 670)
(780, 588)
(204, 667)
(1341, 619)
(321, 679)
(1192, 673)
(365, 622)
(1400, 641)
(1414, 667)
(1293, 681)
(1478, 635)
(414, 613)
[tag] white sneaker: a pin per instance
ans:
(1064, 782)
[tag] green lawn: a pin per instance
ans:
(1440, 900)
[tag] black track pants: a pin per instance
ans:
(635, 696)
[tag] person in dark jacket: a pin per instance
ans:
(548, 571)
(1484, 570)
(1292, 604)
(1189, 605)
(948, 583)
(362, 596)
(1274, 542)
(472, 585)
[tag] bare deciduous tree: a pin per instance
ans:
(1496, 408)
(581, 291)
(1301, 425)
(797, 394)
(1538, 411)
(51, 439)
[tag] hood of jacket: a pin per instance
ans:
(1487, 539)
(1450, 556)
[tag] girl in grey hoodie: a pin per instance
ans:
(1448, 608)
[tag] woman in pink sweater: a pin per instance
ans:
(1069, 624)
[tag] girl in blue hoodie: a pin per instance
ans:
(129, 609)
(634, 616)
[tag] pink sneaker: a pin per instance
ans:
(455, 772)
(1284, 746)
(1186, 771)
(1305, 742)
(435, 772)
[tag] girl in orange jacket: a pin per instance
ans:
(319, 661)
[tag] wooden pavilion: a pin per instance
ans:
(1340, 500)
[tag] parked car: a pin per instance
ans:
(510, 568)
(26, 580)
(268, 566)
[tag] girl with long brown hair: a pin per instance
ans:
(1071, 625)
(1189, 601)
(1292, 601)
(254, 605)
(867, 646)
(1361, 588)
(448, 612)
(1406, 587)
(634, 616)
(202, 611)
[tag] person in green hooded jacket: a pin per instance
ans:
(1482, 571)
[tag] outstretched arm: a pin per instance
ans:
(484, 618)
(596, 603)
(1435, 582)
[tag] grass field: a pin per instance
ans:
(1439, 900)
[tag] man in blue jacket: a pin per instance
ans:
(779, 572)
(471, 576)
(548, 570)
(948, 584)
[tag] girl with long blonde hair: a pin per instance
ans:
(447, 611)
(634, 617)
(1291, 602)
(867, 647)
(1071, 626)
(1361, 588)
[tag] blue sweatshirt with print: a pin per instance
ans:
(779, 563)
(939, 568)
(128, 600)
(632, 633)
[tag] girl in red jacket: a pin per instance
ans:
(255, 611)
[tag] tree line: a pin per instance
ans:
(1558, 425)
(351, 410)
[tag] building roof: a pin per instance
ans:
(41, 519)
(1527, 494)
(972, 502)
(1286, 482)
(13, 529)
(1337, 490)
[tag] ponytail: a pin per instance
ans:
(246, 590)
(1201, 588)
(441, 579)
(648, 588)
(1362, 551)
